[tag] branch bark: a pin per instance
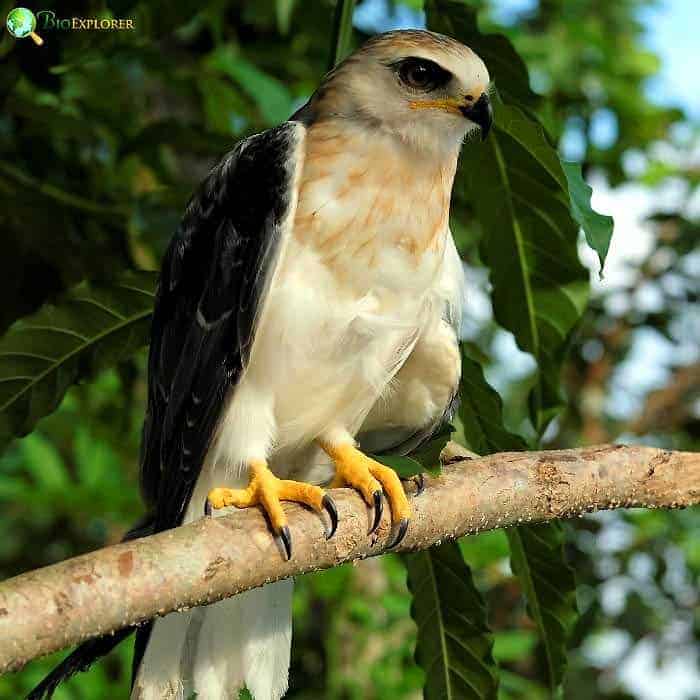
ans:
(61, 605)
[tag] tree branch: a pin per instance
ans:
(61, 605)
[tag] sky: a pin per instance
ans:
(672, 32)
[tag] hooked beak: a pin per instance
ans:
(480, 113)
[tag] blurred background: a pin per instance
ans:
(124, 124)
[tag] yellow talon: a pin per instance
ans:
(266, 490)
(369, 477)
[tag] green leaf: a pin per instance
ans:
(45, 464)
(52, 192)
(52, 238)
(484, 550)
(342, 31)
(597, 227)
(513, 645)
(425, 458)
(42, 356)
(269, 94)
(529, 243)
(223, 106)
(514, 687)
(454, 645)
(94, 460)
(481, 412)
(530, 134)
(539, 561)
(428, 455)
(15, 490)
(284, 9)
(405, 467)
(537, 551)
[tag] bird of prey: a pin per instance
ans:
(307, 312)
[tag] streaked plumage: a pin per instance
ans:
(310, 297)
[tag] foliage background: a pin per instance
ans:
(102, 138)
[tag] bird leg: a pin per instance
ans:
(266, 490)
(369, 477)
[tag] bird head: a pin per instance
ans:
(426, 88)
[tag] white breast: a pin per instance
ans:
(374, 212)
(359, 279)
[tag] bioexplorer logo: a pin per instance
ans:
(22, 23)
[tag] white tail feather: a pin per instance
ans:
(267, 619)
(215, 651)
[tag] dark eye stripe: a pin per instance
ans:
(421, 73)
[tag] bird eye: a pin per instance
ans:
(422, 74)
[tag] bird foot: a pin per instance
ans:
(370, 478)
(266, 490)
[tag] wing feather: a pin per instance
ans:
(213, 284)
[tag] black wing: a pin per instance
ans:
(213, 282)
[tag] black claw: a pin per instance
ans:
(378, 510)
(420, 483)
(207, 509)
(329, 504)
(286, 538)
(403, 527)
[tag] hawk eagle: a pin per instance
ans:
(307, 313)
